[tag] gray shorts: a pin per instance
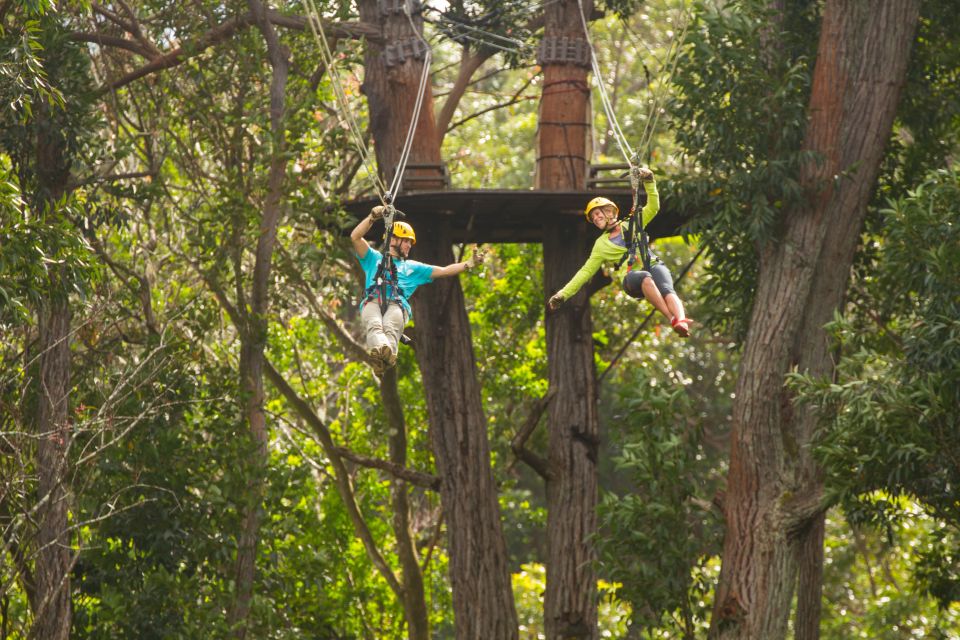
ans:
(661, 277)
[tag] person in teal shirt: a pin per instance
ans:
(384, 326)
(656, 285)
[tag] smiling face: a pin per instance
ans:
(604, 218)
(400, 246)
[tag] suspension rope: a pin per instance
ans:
(320, 37)
(385, 194)
(618, 135)
(518, 46)
(646, 139)
(671, 62)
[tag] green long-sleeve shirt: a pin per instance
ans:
(604, 250)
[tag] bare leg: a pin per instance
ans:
(652, 294)
(675, 306)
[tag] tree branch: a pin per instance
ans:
(222, 32)
(341, 475)
(796, 510)
(469, 63)
(513, 100)
(536, 462)
(414, 477)
(116, 42)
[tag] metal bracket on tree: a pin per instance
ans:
(397, 52)
(564, 50)
(394, 7)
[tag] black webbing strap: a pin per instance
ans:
(386, 286)
(636, 240)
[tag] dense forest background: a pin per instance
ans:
(195, 446)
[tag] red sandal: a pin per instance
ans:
(680, 326)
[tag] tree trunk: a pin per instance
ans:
(772, 504)
(479, 575)
(570, 603)
(52, 608)
(254, 330)
(391, 93)
(51, 605)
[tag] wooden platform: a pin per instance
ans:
(507, 215)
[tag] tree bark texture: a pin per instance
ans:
(52, 607)
(254, 330)
(391, 93)
(479, 574)
(570, 603)
(772, 505)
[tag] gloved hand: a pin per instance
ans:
(476, 257)
(555, 301)
(378, 212)
(645, 174)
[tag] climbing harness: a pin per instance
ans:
(637, 239)
(385, 288)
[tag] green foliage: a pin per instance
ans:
(42, 256)
(868, 591)
(655, 540)
(487, 27)
(928, 117)
(740, 118)
(891, 415)
(160, 463)
(22, 72)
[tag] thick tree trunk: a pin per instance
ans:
(254, 332)
(570, 607)
(479, 575)
(772, 504)
(51, 607)
(391, 93)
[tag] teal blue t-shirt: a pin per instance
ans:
(410, 274)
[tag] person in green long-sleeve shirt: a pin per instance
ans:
(656, 285)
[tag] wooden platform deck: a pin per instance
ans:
(508, 215)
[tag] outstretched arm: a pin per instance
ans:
(652, 207)
(459, 267)
(579, 279)
(356, 236)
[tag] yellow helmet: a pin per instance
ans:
(599, 201)
(404, 230)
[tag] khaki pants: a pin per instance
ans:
(383, 328)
